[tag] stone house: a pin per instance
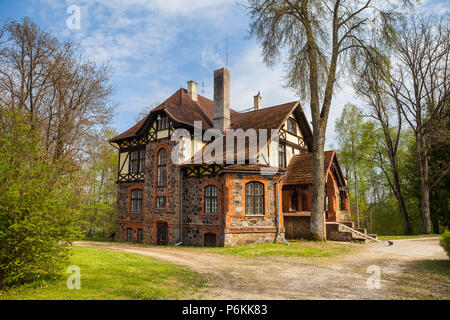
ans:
(164, 201)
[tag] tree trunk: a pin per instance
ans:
(424, 183)
(317, 224)
(356, 195)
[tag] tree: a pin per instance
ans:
(355, 143)
(318, 37)
(37, 204)
(372, 86)
(62, 95)
(145, 111)
(99, 189)
(419, 84)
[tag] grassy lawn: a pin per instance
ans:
(425, 279)
(408, 237)
(108, 274)
(296, 249)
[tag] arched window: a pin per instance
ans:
(210, 200)
(136, 201)
(254, 199)
(162, 164)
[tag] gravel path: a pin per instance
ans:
(342, 277)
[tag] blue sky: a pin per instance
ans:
(156, 46)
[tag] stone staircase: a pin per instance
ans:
(345, 231)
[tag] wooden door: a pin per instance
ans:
(162, 231)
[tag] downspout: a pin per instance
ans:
(181, 208)
(278, 210)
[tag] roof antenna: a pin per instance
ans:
(203, 88)
(226, 41)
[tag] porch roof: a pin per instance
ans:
(300, 169)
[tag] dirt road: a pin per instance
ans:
(342, 277)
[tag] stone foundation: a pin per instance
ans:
(297, 227)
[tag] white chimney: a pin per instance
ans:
(222, 99)
(192, 89)
(257, 101)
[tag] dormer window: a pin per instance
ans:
(162, 122)
(292, 126)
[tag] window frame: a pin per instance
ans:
(254, 197)
(129, 232)
(292, 122)
(210, 200)
(137, 165)
(161, 181)
(158, 203)
(162, 123)
(134, 199)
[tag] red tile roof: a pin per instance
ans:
(300, 169)
(181, 108)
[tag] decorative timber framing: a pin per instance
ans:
(202, 170)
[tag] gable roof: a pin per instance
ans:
(300, 169)
(183, 110)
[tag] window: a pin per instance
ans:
(211, 200)
(282, 155)
(254, 199)
(140, 235)
(294, 201)
(129, 235)
(162, 163)
(162, 123)
(292, 126)
(160, 202)
(137, 161)
(136, 201)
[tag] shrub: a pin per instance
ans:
(445, 242)
(36, 205)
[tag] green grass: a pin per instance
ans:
(108, 274)
(98, 239)
(408, 236)
(436, 267)
(296, 249)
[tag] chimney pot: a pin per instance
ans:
(192, 90)
(222, 99)
(257, 101)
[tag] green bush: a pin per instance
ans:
(445, 242)
(37, 201)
